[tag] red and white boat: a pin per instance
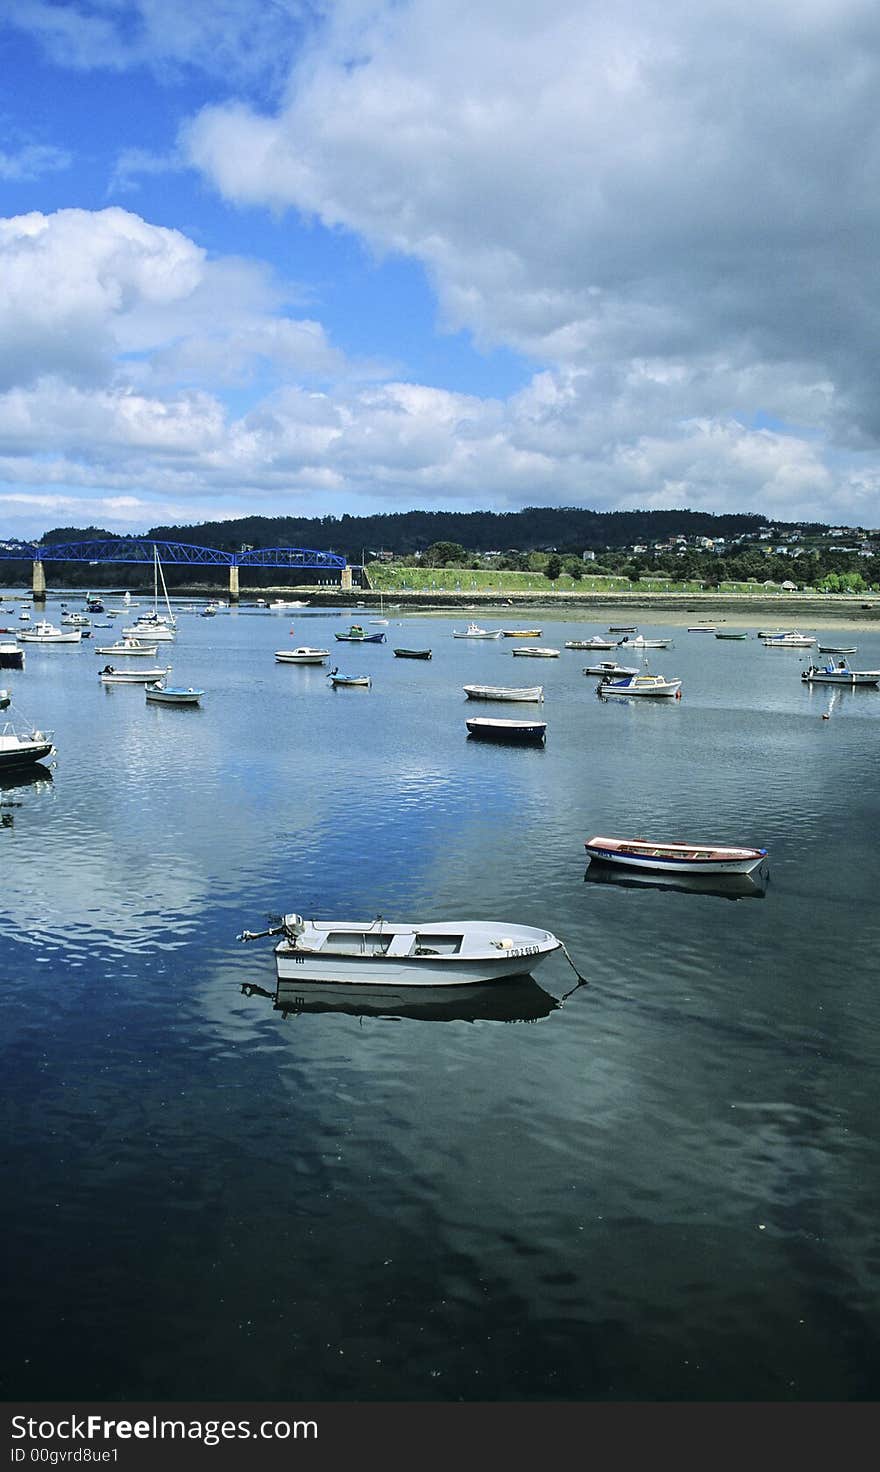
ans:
(675, 858)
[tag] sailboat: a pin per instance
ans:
(155, 625)
(382, 619)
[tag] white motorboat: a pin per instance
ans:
(302, 655)
(45, 633)
(473, 631)
(839, 674)
(11, 657)
(640, 642)
(21, 748)
(791, 640)
(535, 651)
(610, 667)
(280, 605)
(504, 692)
(642, 684)
(378, 952)
(129, 646)
(677, 858)
(595, 643)
(162, 694)
(111, 676)
(75, 620)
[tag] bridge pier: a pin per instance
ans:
(345, 582)
(233, 583)
(38, 583)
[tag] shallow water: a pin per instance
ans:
(658, 1186)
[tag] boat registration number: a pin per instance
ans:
(523, 951)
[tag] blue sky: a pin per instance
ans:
(326, 256)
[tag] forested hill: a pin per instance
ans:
(567, 529)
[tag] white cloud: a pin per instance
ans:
(227, 38)
(672, 210)
(600, 186)
(28, 161)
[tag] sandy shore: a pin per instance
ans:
(782, 611)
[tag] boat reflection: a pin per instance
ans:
(722, 886)
(36, 776)
(517, 1000)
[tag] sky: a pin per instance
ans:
(318, 257)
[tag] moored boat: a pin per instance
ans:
(675, 857)
(412, 653)
(357, 634)
(162, 694)
(44, 632)
(640, 642)
(22, 748)
(519, 733)
(504, 692)
(839, 674)
(11, 657)
(595, 643)
(128, 646)
(303, 654)
(111, 676)
(642, 684)
(473, 631)
(791, 640)
(380, 952)
(520, 633)
(610, 667)
(535, 651)
(336, 679)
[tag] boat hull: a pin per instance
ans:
(840, 677)
(20, 751)
(517, 733)
(132, 677)
(412, 654)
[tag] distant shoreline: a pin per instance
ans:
(744, 609)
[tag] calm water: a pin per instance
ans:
(663, 1186)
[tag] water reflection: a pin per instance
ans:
(723, 886)
(518, 1000)
(36, 776)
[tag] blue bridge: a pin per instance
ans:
(144, 550)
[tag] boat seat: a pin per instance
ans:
(402, 944)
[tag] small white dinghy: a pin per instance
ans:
(379, 952)
(111, 676)
(504, 692)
